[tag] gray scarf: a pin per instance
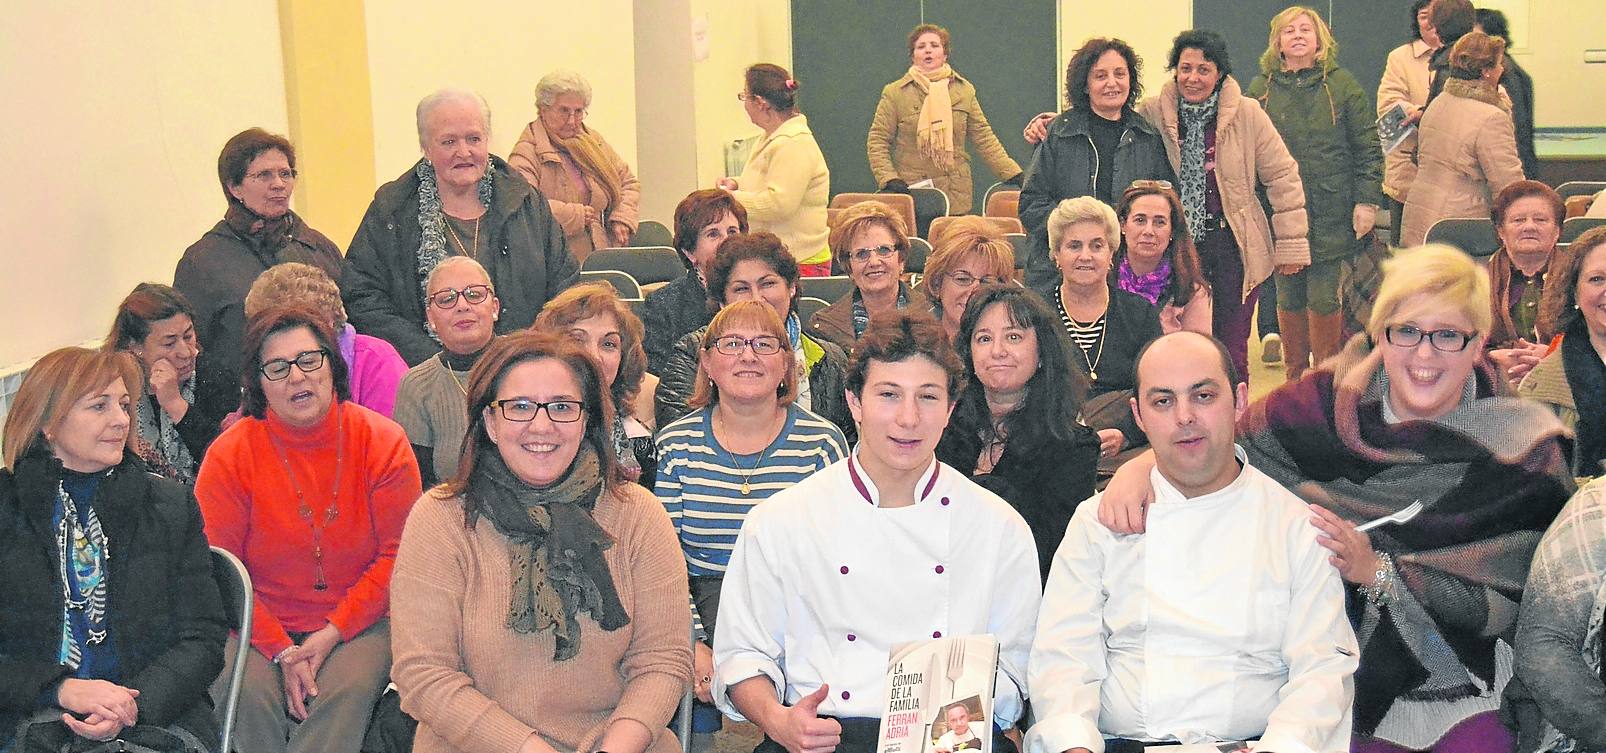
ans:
(159, 443)
(432, 224)
(1195, 119)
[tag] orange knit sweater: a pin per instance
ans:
(475, 685)
(251, 509)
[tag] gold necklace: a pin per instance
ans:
(747, 487)
(476, 252)
(1093, 363)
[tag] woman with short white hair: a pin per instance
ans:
(591, 190)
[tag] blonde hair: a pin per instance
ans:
(1083, 209)
(961, 236)
(860, 217)
(738, 314)
(53, 384)
(1271, 60)
(300, 285)
(1476, 52)
(1449, 276)
(586, 300)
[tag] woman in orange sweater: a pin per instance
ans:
(310, 491)
(540, 598)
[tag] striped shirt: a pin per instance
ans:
(700, 482)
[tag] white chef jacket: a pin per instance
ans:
(823, 581)
(1224, 621)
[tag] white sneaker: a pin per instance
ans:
(1271, 348)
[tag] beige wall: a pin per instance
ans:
(499, 48)
(1149, 32)
(740, 33)
(1568, 92)
(113, 122)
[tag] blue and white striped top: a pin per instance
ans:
(700, 482)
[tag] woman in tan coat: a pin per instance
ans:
(1239, 247)
(594, 196)
(919, 132)
(1467, 147)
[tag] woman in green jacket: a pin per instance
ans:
(1327, 121)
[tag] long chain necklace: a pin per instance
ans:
(305, 510)
(747, 486)
(453, 233)
(1076, 326)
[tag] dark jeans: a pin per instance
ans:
(1230, 315)
(1266, 320)
(705, 594)
(860, 735)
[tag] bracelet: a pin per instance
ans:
(279, 657)
(1381, 591)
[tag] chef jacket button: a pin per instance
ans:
(939, 569)
(945, 501)
(852, 637)
(843, 569)
(846, 695)
(936, 633)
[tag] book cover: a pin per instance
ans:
(939, 696)
(1391, 128)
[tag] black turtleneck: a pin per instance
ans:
(1106, 136)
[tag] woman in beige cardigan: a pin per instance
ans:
(919, 131)
(1201, 112)
(786, 183)
(1405, 83)
(594, 196)
(538, 602)
(1467, 143)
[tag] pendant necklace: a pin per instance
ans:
(747, 475)
(466, 252)
(305, 510)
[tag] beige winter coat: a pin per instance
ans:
(1467, 152)
(1405, 82)
(894, 149)
(1249, 154)
(541, 164)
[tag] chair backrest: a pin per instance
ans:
(900, 204)
(1571, 229)
(652, 233)
(1578, 205)
(648, 264)
(1023, 247)
(930, 203)
(625, 285)
(914, 262)
(1003, 204)
(1581, 188)
(807, 306)
(1474, 235)
(825, 288)
(1004, 225)
(234, 583)
(995, 188)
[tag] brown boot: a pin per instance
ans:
(1326, 335)
(1295, 329)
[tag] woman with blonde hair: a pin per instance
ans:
(1328, 123)
(968, 254)
(944, 111)
(593, 194)
(870, 243)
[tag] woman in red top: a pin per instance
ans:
(310, 491)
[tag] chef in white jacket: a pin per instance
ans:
(1223, 621)
(884, 547)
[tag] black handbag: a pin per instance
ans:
(54, 737)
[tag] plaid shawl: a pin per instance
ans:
(1492, 476)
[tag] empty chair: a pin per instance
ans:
(1578, 205)
(807, 305)
(1581, 188)
(1023, 246)
(651, 233)
(914, 262)
(1474, 235)
(625, 285)
(930, 203)
(901, 204)
(1003, 204)
(1572, 228)
(234, 584)
(826, 288)
(650, 265)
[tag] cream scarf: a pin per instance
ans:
(936, 126)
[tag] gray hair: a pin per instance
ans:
(1083, 209)
(457, 261)
(428, 104)
(559, 83)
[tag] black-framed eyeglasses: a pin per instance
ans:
(474, 294)
(307, 360)
(733, 345)
(965, 279)
(524, 410)
(1442, 340)
(862, 255)
(285, 174)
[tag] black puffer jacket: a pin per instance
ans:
(668, 314)
(521, 245)
(827, 383)
(164, 613)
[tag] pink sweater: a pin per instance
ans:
(475, 685)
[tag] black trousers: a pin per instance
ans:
(860, 735)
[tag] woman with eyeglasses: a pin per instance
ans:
(870, 242)
(757, 267)
(431, 403)
(540, 605)
(745, 439)
(1413, 411)
(257, 171)
(786, 183)
(593, 194)
(310, 490)
(968, 254)
(157, 325)
(1107, 325)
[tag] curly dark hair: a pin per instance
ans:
(764, 247)
(1076, 71)
(895, 336)
(1054, 393)
(699, 210)
(1207, 42)
(272, 321)
(1416, 28)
